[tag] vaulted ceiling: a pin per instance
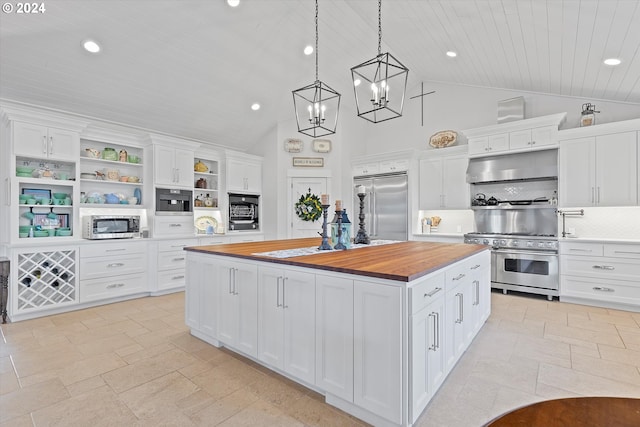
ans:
(193, 67)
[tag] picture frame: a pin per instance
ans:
(313, 162)
(322, 145)
(37, 193)
(292, 145)
(43, 220)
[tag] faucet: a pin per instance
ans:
(574, 212)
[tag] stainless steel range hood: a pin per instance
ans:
(513, 167)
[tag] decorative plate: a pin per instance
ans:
(293, 145)
(443, 138)
(321, 145)
(202, 222)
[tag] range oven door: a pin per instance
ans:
(521, 268)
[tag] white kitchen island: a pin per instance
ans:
(376, 330)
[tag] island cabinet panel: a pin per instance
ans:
(334, 335)
(377, 328)
(286, 321)
(238, 306)
(202, 296)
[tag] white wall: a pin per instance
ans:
(457, 107)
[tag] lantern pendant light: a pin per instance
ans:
(316, 105)
(373, 81)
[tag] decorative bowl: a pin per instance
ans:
(109, 154)
(133, 179)
(23, 235)
(24, 170)
(86, 175)
(63, 232)
(124, 179)
(133, 158)
(59, 195)
(41, 233)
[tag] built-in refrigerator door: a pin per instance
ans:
(390, 205)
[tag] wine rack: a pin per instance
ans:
(46, 279)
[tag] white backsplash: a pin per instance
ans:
(604, 223)
(453, 221)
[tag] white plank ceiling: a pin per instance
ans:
(193, 67)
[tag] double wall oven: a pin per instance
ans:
(520, 224)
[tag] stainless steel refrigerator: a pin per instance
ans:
(385, 206)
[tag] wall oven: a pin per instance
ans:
(244, 211)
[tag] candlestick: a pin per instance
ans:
(324, 199)
(339, 245)
(361, 189)
(324, 246)
(339, 205)
(362, 237)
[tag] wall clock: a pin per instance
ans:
(292, 145)
(321, 145)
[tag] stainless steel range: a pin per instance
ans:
(519, 221)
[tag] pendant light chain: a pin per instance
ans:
(316, 40)
(379, 27)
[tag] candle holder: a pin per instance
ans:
(324, 246)
(362, 236)
(339, 245)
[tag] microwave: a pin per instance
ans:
(95, 227)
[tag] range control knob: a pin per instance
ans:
(515, 243)
(529, 244)
(503, 242)
(476, 241)
(541, 244)
(485, 242)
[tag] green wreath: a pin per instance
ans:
(308, 208)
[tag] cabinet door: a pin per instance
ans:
(63, 144)
(431, 183)
(616, 169)
(298, 301)
(520, 139)
(576, 170)
(236, 179)
(334, 336)
(478, 145)
(195, 276)
(377, 352)
(454, 183)
(270, 316)
(253, 176)
(164, 165)
(496, 143)
(184, 168)
(246, 290)
(30, 140)
(545, 135)
(454, 329)
(228, 308)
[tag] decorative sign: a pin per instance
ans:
(314, 162)
(321, 145)
(293, 145)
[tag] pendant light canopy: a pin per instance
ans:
(380, 83)
(316, 105)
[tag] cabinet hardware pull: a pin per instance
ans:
(598, 198)
(50, 145)
(178, 246)
(179, 259)
(175, 225)
(460, 308)
(533, 142)
(230, 280)
(603, 267)
(115, 264)
(278, 291)
(475, 267)
(477, 283)
(178, 277)
(437, 328)
(626, 252)
(432, 347)
(235, 282)
(603, 289)
(115, 285)
(459, 276)
(432, 293)
(284, 284)
(579, 250)
(593, 195)
(116, 250)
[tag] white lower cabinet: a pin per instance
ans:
(238, 306)
(202, 296)
(286, 321)
(606, 274)
(334, 335)
(377, 349)
(171, 261)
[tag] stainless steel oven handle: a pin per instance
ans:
(541, 253)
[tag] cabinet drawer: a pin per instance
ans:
(622, 251)
(91, 290)
(108, 249)
(575, 248)
(92, 268)
(426, 292)
(171, 260)
(176, 245)
(600, 290)
(171, 279)
(603, 267)
(173, 226)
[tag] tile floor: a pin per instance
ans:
(135, 364)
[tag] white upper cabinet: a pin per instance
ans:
(530, 138)
(599, 170)
(443, 180)
(173, 167)
(489, 144)
(44, 142)
(244, 173)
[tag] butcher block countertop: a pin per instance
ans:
(401, 261)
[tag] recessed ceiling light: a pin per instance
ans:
(255, 106)
(91, 46)
(308, 50)
(233, 3)
(612, 61)
(451, 54)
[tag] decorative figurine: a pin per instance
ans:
(362, 236)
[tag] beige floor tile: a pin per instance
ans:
(145, 370)
(8, 381)
(21, 421)
(548, 392)
(556, 316)
(592, 351)
(32, 398)
(584, 384)
(194, 403)
(543, 350)
(85, 386)
(617, 371)
(106, 345)
(276, 391)
(42, 359)
(227, 378)
(90, 367)
(630, 337)
(311, 412)
(218, 411)
(519, 374)
(622, 355)
(261, 414)
(145, 353)
(91, 335)
(40, 377)
(100, 407)
(158, 337)
(573, 335)
(507, 399)
(615, 317)
(130, 349)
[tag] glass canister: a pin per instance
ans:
(588, 115)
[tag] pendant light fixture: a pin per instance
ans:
(380, 83)
(316, 105)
